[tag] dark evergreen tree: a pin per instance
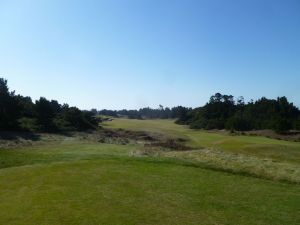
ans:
(222, 112)
(9, 108)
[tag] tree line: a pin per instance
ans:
(223, 112)
(21, 113)
(149, 113)
(220, 112)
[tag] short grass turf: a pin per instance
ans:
(76, 182)
(139, 191)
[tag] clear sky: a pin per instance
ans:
(134, 53)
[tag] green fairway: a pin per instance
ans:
(128, 191)
(257, 156)
(81, 181)
(259, 146)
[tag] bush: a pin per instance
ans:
(28, 124)
(282, 125)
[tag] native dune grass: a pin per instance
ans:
(79, 180)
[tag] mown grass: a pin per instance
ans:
(128, 191)
(56, 152)
(82, 181)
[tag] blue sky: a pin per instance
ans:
(135, 53)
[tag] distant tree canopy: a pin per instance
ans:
(222, 112)
(149, 113)
(20, 113)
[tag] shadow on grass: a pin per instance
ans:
(13, 135)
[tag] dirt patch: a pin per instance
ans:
(149, 140)
(170, 144)
(108, 136)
